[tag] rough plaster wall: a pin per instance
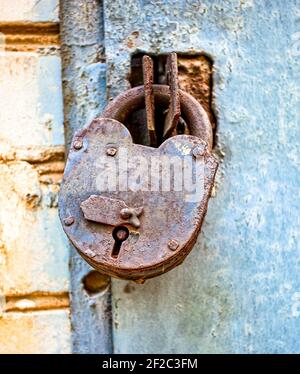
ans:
(29, 11)
(239, 290)
(84, 98)
(34, 273)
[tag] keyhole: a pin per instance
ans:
(120, 234)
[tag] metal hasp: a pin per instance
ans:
(120, 203)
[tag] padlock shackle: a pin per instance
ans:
(191, 110)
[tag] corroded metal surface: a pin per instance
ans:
(109, 211)
(195, 77)
(169, 224)
(174, 105)
(137, 233)
(149, 97)
(108, 227)
(191, 111)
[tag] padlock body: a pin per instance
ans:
(111, 184)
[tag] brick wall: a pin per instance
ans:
(34, 275)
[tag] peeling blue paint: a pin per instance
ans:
(238, 292)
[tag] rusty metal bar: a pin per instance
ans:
(174, 105)
(148, 75)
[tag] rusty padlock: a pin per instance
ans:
(134, 211)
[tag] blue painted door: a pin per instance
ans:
(239, 289)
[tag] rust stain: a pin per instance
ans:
(47, 161)
(52, 167)
(31, 154)
(129, 288)
(35, 302)
(28, 36)
(131, 39)
(195, 77)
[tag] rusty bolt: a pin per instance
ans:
(77, 144)
(125, 213)
(68, 221)
(199, 150)
(173, 244)
(111, 151)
